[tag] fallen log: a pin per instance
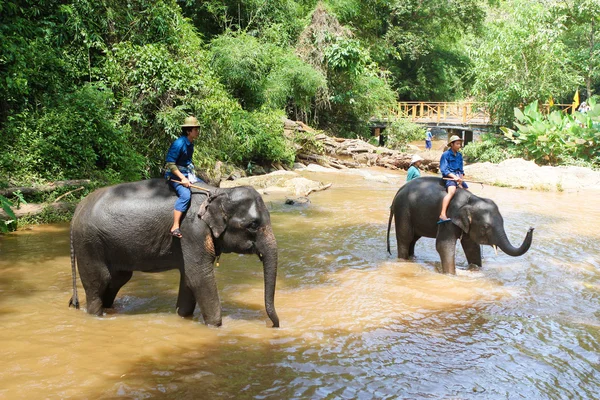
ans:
(35, 208)
(317, 189)
(29, 190)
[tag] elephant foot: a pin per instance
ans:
(185, 312)
(216, 323)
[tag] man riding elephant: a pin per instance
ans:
(451, 167)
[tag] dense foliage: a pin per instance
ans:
(491, 148)
(401, 132)
(527, 52)
(557, 138)
(98, 89)
(8, 224)
(554, 138)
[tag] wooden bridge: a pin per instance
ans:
(464, 114)
(461, 118)
(451, 113)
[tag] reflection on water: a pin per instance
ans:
(355, 322)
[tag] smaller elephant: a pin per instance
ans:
(474, 220)
(124, 228)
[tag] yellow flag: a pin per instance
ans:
(576, 100)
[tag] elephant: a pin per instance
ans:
(474, 220)
(124, 228)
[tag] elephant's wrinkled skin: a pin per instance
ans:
(475, 221)
(124, 228)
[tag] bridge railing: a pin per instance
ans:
(446, 112)
(463, 112)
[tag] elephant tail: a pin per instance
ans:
(74, 301)
(388, 229)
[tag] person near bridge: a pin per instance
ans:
(428, 139)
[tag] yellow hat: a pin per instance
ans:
(190, 122)
(454, 138)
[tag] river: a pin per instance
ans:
(356, 323)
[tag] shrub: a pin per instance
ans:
(8, 225)
(260, 138)
(491, 148)
(77, 137)
(259, 74)
(557, 137)
(401, 132)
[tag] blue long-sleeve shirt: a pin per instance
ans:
(180, 153)
(451, 163)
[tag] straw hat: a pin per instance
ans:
(415, 158)
(190, 122)
(454, 138)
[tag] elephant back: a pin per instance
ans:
(141, 200)
(425, 189)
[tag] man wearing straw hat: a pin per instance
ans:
(180, 170)
(451, 167)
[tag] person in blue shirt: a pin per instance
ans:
(451, 167)
(413, 170)
(180, 170)
(428, 139)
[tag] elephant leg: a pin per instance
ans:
(95, 278)
(404, 238)
(472, 250)
(118, 279)
(201, 280)
(186, 302)
(445, 244)
(411, 248)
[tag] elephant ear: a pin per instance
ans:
(213, 213)
(460, 213)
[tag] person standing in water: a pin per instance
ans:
(428, 139)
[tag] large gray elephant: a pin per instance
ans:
(475, 221)
(124, 228)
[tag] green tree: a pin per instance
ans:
(357, 89)
(520, 58)
(259, 18)
(418, 41)
(581, 19)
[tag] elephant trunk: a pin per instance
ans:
(505, 246)
(267, 251)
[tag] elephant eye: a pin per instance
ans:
(253, 226)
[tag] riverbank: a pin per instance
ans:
(514, 173)
(522, 174)
(349, 155)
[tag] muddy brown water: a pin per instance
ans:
(356, 323)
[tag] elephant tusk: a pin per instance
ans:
(495, 249)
